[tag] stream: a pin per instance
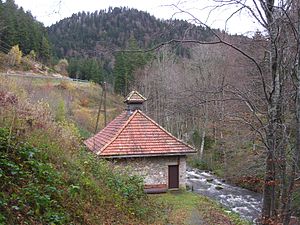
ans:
(242, 201)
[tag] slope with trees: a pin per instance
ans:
(21, 28)
(101, 32)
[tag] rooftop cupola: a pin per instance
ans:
(134, 101)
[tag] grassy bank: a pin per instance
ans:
(189, 208)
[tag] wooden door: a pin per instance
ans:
(173, 176)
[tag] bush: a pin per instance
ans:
(65, 85)
(60, 111)
(30, 187)
(15, 55)
(84, 101)
(84, 134)
(62, 67)
(85, 119)
(296, 202)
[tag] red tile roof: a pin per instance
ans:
(135, 135)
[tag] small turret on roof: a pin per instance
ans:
(134, 101)
(134, 97)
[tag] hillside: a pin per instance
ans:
(49, 177)
(99, 33)
(93, 39)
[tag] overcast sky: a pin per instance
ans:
(51, 11)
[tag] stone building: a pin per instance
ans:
(133, 139)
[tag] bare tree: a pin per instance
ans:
(274, 18)
(275, 67)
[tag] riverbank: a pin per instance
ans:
(185, 207)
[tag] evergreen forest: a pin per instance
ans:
(18, 27)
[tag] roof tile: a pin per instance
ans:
(136, 134)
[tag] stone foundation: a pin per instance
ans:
(154, 170)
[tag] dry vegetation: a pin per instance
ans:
(76, 102)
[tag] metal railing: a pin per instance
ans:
(33, 75)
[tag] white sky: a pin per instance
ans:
(51, 11)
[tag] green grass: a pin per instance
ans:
(188, 208)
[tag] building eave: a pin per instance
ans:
(145, 155)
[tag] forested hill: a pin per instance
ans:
(18, 27)
(94, 34)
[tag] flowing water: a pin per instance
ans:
(242, 201)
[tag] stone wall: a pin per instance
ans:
(154, 169)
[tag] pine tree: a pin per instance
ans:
(44, 50)
(120, 74)
(126, 64)
(9, 35)
(95, 72)
(1, 19)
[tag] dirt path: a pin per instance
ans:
(195, 218)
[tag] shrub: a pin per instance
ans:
(84, 134)
(85, 119)
(60, 111)
(199, 164)
(30, 187)
(15, 56)
(84, 101)
(26, 64)
(62, 67)
(65, 85)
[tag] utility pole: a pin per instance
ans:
(104, 90)
(103, 98)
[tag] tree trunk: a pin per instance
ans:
(222, 117)
(296, 157)
(268, 208)
(269, 182)
(203, 131)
